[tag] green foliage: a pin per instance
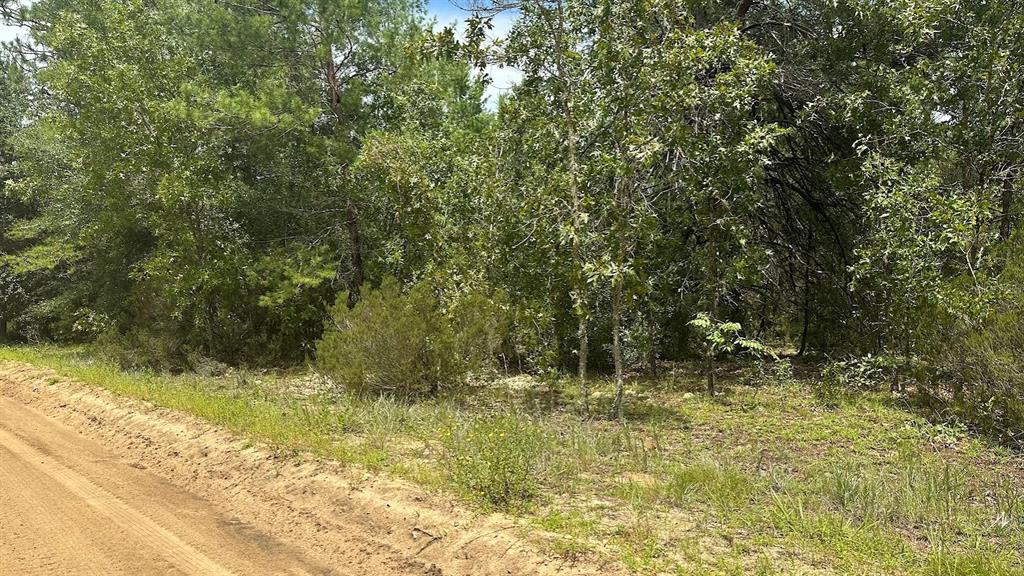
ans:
(142, 350)
(406, 345)
(496, 460)
(726, 338)
(480, 324)
(976, 363)
(840, 380)
(777, 374)
(392, 343)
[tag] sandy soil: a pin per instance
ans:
(93, 484)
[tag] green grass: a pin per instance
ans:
(772, 479)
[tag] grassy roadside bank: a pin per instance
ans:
(767, 480)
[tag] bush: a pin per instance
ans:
(390, 343)
(840, 380)
(480, 324)
(766, 373)
(141, 349)
(976, 362)
(494, 460)
(405, 345)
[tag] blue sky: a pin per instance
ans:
(448, 12)
(443, 9)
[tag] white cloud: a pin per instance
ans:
(9, 33)
(503, 79)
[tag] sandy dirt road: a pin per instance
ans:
(92, 483)
(70, 506)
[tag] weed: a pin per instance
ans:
(975, 563)
(495, 460)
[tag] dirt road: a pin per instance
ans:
(70, 506)
(91, 483)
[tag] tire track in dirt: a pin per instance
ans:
(37, 521)
(167, 544)
(70, 506)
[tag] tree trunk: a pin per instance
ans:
(743, 8)
(807, 323)
(3, 329)
(710, 355)
(807, 306)
(1006, 205)
(709, 367)
(355, 238)
(584, 353)
(652, 336)
(623, 199)
(577, 212)
(617, 349)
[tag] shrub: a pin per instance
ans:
(494, 460)
(533, 343)
(141, 349)
(391, 343)
(840, 379)
(980, 373)
(480, 325)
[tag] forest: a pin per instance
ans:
(273, 182)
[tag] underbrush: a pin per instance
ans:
(766, 480)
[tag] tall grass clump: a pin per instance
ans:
(711, 482)
(917, 493)
(976, 563)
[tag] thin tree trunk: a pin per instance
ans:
(584, 353)
(623, 199)
(807, 298)
(807, 322)
(1006, 204)
(3, 329)
(743, 8)
(617, 349)
(652, 337)
(355, 238)
(709, 367)
(710, 355)
(582, 306)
